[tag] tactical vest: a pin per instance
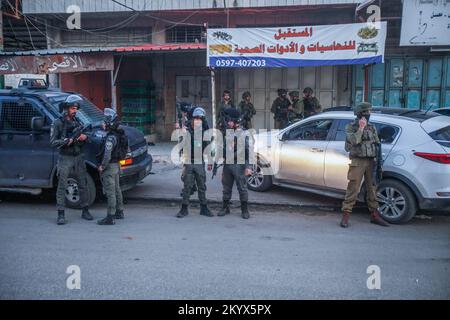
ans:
(68, 127)
(368, 146)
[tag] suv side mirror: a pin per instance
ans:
(37, 123)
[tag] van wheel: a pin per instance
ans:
(261, 179)
(397, 202)
(73, 198)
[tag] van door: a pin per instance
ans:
(27, 160)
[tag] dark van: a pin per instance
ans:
(28, 163)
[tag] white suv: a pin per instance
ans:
(309, 155)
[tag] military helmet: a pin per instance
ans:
(71, 100)
(363, 106)
(199, 112)
(281, 91)
(232, 114)
(111, 118)
(245, 95)
(308, 90)
(294, 94)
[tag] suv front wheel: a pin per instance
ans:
(73, 197)
(397, 203)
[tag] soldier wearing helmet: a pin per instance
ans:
(247, 110)
(223, 105)
(236, 164)
(194, 172)
(309, 103)
(296, 112)
(71, 158)
(280, 108)
(114, 149)
(361, 143)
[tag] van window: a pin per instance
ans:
(16, 115)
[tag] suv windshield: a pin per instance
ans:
(87, 114)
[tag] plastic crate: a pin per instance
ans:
(137, 110)
(137, 118)
(135, 91)
(136, 102)
(136, 83)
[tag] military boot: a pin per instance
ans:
(183, 212)
(86, 215)
(244, 210)
(204, 211)
(345, 217)
(376, 218)
(119, 214)
(61, 219)
(225, 209)
(107, 221)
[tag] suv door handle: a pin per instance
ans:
(316, 150)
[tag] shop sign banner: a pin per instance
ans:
(356, 43)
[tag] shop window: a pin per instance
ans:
(186, 34)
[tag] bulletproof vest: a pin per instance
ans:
(196, 144)
(368, 146)
(234, 150)
(68, 127)
(310, 106)
(281, 104)
(115, 154)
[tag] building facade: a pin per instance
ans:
(158, 55)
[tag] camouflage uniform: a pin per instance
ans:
(194, 172)
(297, 108)
(236, 160)
(110, 176)
(247, 112)
(221, 125)
(310, 106)
(70, 160)
(362, 147)
(280, 110)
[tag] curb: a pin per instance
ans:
(252, 203)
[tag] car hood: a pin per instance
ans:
(135, 137)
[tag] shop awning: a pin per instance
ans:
(61, 60)
(163, 47)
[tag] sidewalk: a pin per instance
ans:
(165, 184)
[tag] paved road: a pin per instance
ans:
(274, 255)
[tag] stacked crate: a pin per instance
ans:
(138, 105)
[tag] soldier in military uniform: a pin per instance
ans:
(247, 110)
(109, 168)
(361, 143)
(295, 113)
(71, 158)
(233, 170)
(309, 104)
(280, 109)
(223, 105)
(194, 163)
